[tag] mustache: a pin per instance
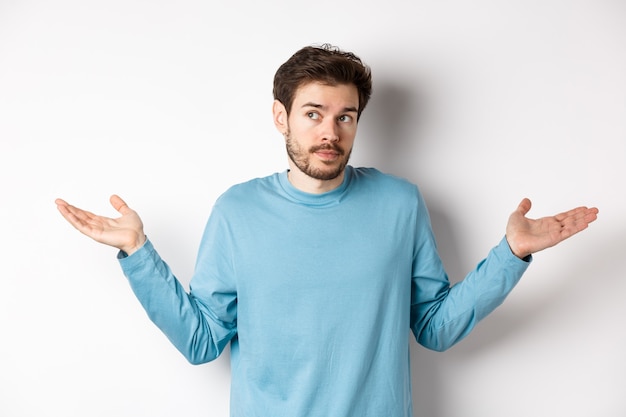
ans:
(326, 147)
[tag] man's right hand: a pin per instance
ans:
(125, 232)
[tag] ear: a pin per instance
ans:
(280, 117)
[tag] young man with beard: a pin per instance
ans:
(315, 275)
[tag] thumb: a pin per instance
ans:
(119, 204)
(524, 206)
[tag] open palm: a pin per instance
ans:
(527, 236)
(125, 232)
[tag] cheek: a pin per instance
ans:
(349, 135)
(303, 133)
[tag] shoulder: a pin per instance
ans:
(388, 190)
(375, 179)
(248, 191)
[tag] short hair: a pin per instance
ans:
(326, 64)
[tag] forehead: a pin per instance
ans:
(339, 95)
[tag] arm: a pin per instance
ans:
(189, 324)
(442, 315)
(196, 326)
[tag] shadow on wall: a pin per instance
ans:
(580, 285)
(387, 129)
(390, 134)
(601, 266)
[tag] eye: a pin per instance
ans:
(313, 115)
(345, 118)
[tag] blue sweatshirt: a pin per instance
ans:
(316, 294)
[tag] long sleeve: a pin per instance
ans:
(316, 292)
(195, 331)
(442, 315)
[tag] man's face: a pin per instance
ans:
(321, 128)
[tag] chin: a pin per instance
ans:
(326, 173)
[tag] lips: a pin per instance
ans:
(327, 154)
(327, 151)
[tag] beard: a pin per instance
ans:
(302, 159)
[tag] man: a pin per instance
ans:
(316, 274)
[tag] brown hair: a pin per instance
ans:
(326, 64)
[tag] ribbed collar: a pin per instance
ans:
(329, 198)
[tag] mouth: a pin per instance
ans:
(327, 153)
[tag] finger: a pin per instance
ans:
(583, 217)
(65, 210)
(524, 206)
(578, 220)
(75, 217)
(577, 214)
(61, 206)
(119, 204)
(591, 215)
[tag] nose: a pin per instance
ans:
(330, 132)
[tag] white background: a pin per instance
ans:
(168, 103)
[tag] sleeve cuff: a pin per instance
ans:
(505, 247)
(139, 253)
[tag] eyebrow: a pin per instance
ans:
(320, 106)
